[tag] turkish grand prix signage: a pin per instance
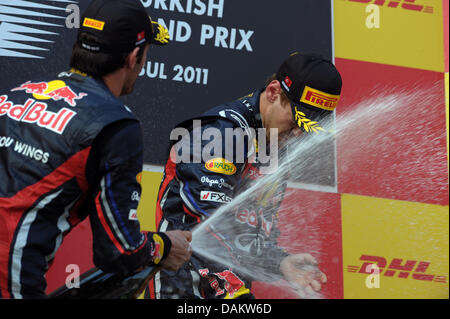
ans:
(220, 50)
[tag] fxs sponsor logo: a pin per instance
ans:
(410, 5)
(54, 90)
(214, 197)
(397, 267)
(34, 112)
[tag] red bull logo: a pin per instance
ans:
(33, 88)
(54, 90)
(34, 112)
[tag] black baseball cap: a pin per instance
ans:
(119, 26)
(313, 85)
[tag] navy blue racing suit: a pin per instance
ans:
(69, 150)
(194, 187)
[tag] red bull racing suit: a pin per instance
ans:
(191, 192)
(68, 150)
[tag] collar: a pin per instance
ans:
(251, 103)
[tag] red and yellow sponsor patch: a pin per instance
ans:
(94, 24)
(158, 250)
(319, 99)
(221, 166)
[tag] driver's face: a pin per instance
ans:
(282, 119)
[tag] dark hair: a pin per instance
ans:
(283, 95)
(98, 64)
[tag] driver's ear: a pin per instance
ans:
(273, 91)
(131, 59)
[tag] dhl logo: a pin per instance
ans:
(319, 99)
(54, 90)
(405, 4)
(415, 268)
(94, 24)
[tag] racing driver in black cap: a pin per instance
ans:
(75, 151)
(295, 100)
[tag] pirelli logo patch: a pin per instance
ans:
(319, 99)
(94, 24)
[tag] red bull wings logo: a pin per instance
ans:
(54, 90)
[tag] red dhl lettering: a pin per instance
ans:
(34, 112)
(406, 4)
(415, 268)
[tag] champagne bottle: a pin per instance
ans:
(96, 284)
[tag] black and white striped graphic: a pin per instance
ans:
(28, 28)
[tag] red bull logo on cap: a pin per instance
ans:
(55, 90)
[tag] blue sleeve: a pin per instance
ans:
(114, 164)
